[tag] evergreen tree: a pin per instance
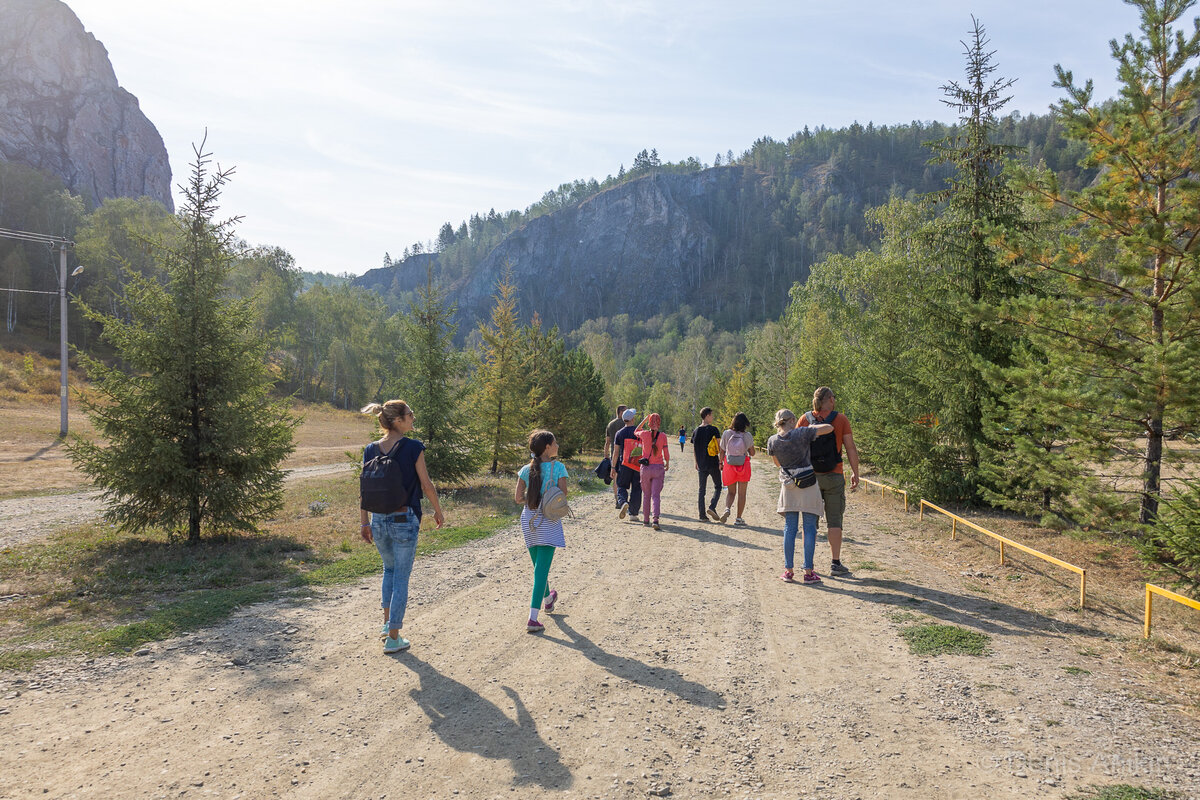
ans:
(432, 381)
(1122, 323)
(192, 440)
(503, 390)
(738, 396)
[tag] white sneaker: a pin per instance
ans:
(740, 521)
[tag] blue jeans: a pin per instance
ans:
(396, 540)
(791, 521)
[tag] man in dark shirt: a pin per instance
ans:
(629, 474)
(707, 466)
(610, 434)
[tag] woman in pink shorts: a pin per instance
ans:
(737, 446)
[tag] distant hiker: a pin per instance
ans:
(682, 437)
(542, 535)
(610, 434)
(394, 527)
(737, 445)
(655, 461)
(799, 495)
(827, 461)
(706, 446)
(629, 481)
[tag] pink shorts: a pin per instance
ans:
(731, 474)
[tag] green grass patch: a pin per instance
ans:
(934, 639)
(904, 616)
(1076, 671)
(1122, 791)
(868, 566)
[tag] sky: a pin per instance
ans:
(357, 128)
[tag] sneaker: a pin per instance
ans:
(788, 576)
(384, 631)
(624, 511)
(703, 518)
(838, 568)
(533, 626)
(391, 645)
(646, 522)
(724, 516)
(551, 599)
(655, 526)
(740, 522)
(812, 577)
(714, 516)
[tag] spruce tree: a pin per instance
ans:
(1123, 325)
(432, 383)
(191, 440)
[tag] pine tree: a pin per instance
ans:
(1122, 324)
(432, 383)
(503, 390)
(193, 442)
(738, 395)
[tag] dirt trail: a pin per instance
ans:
(26, 518)
(677, 663)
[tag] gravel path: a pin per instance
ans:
(677, 664)
(27, 518)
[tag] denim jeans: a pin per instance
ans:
(629, 489)
(396, 540)
(706, 472)
(791, 521)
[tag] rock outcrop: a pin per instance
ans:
(62, 110)
(642, 248)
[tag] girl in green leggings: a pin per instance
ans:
(541, 535)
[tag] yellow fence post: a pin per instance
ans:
(1152, 590)
(1002, 552)
(1149, 612)
(1082, 588)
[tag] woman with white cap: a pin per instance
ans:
(799, 495)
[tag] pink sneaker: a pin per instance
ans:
(788, 576)
(533, 626)
(551, 599)
(812, 577)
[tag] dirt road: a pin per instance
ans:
(27, 518)
(676, 664)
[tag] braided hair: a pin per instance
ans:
(538, 442)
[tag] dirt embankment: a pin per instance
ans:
(677, 663)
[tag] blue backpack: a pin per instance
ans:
(381, 489)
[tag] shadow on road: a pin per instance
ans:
(664, 678)
(983, 613)
(686, 527)
(469, 723)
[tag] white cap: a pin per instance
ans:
(629, 414)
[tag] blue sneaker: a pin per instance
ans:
(391, 645)
(383, 632)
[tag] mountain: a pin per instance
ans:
(62, 110)
(726, 241)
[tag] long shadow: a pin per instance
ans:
(630, 669)
(683, 528)
(43, 451)
(487, 731)
(960, 609)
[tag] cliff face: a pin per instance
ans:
(62, 110)
(642, 248)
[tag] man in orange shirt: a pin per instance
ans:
(827, 463)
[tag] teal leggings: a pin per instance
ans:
(542, 555)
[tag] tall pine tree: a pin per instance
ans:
(502, 386)
(193, 442)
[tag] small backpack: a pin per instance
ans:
(714, 447)
(824, 450)
(380, 487)
(735, 451)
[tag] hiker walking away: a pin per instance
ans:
(610, 434)
(627, 448)
(706, 445)
(799, 495)
(827, 461)
(400, 464)
(736, 446)
(682, 437)
(541, 535)
(655, 461)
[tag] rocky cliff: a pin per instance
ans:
(641, 248)
(62, 110)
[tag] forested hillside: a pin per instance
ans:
(722, 240)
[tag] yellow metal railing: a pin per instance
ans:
(884, 488)
(955, 520)
(1152, 590)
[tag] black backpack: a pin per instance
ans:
(824, 450)
(380, 487)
